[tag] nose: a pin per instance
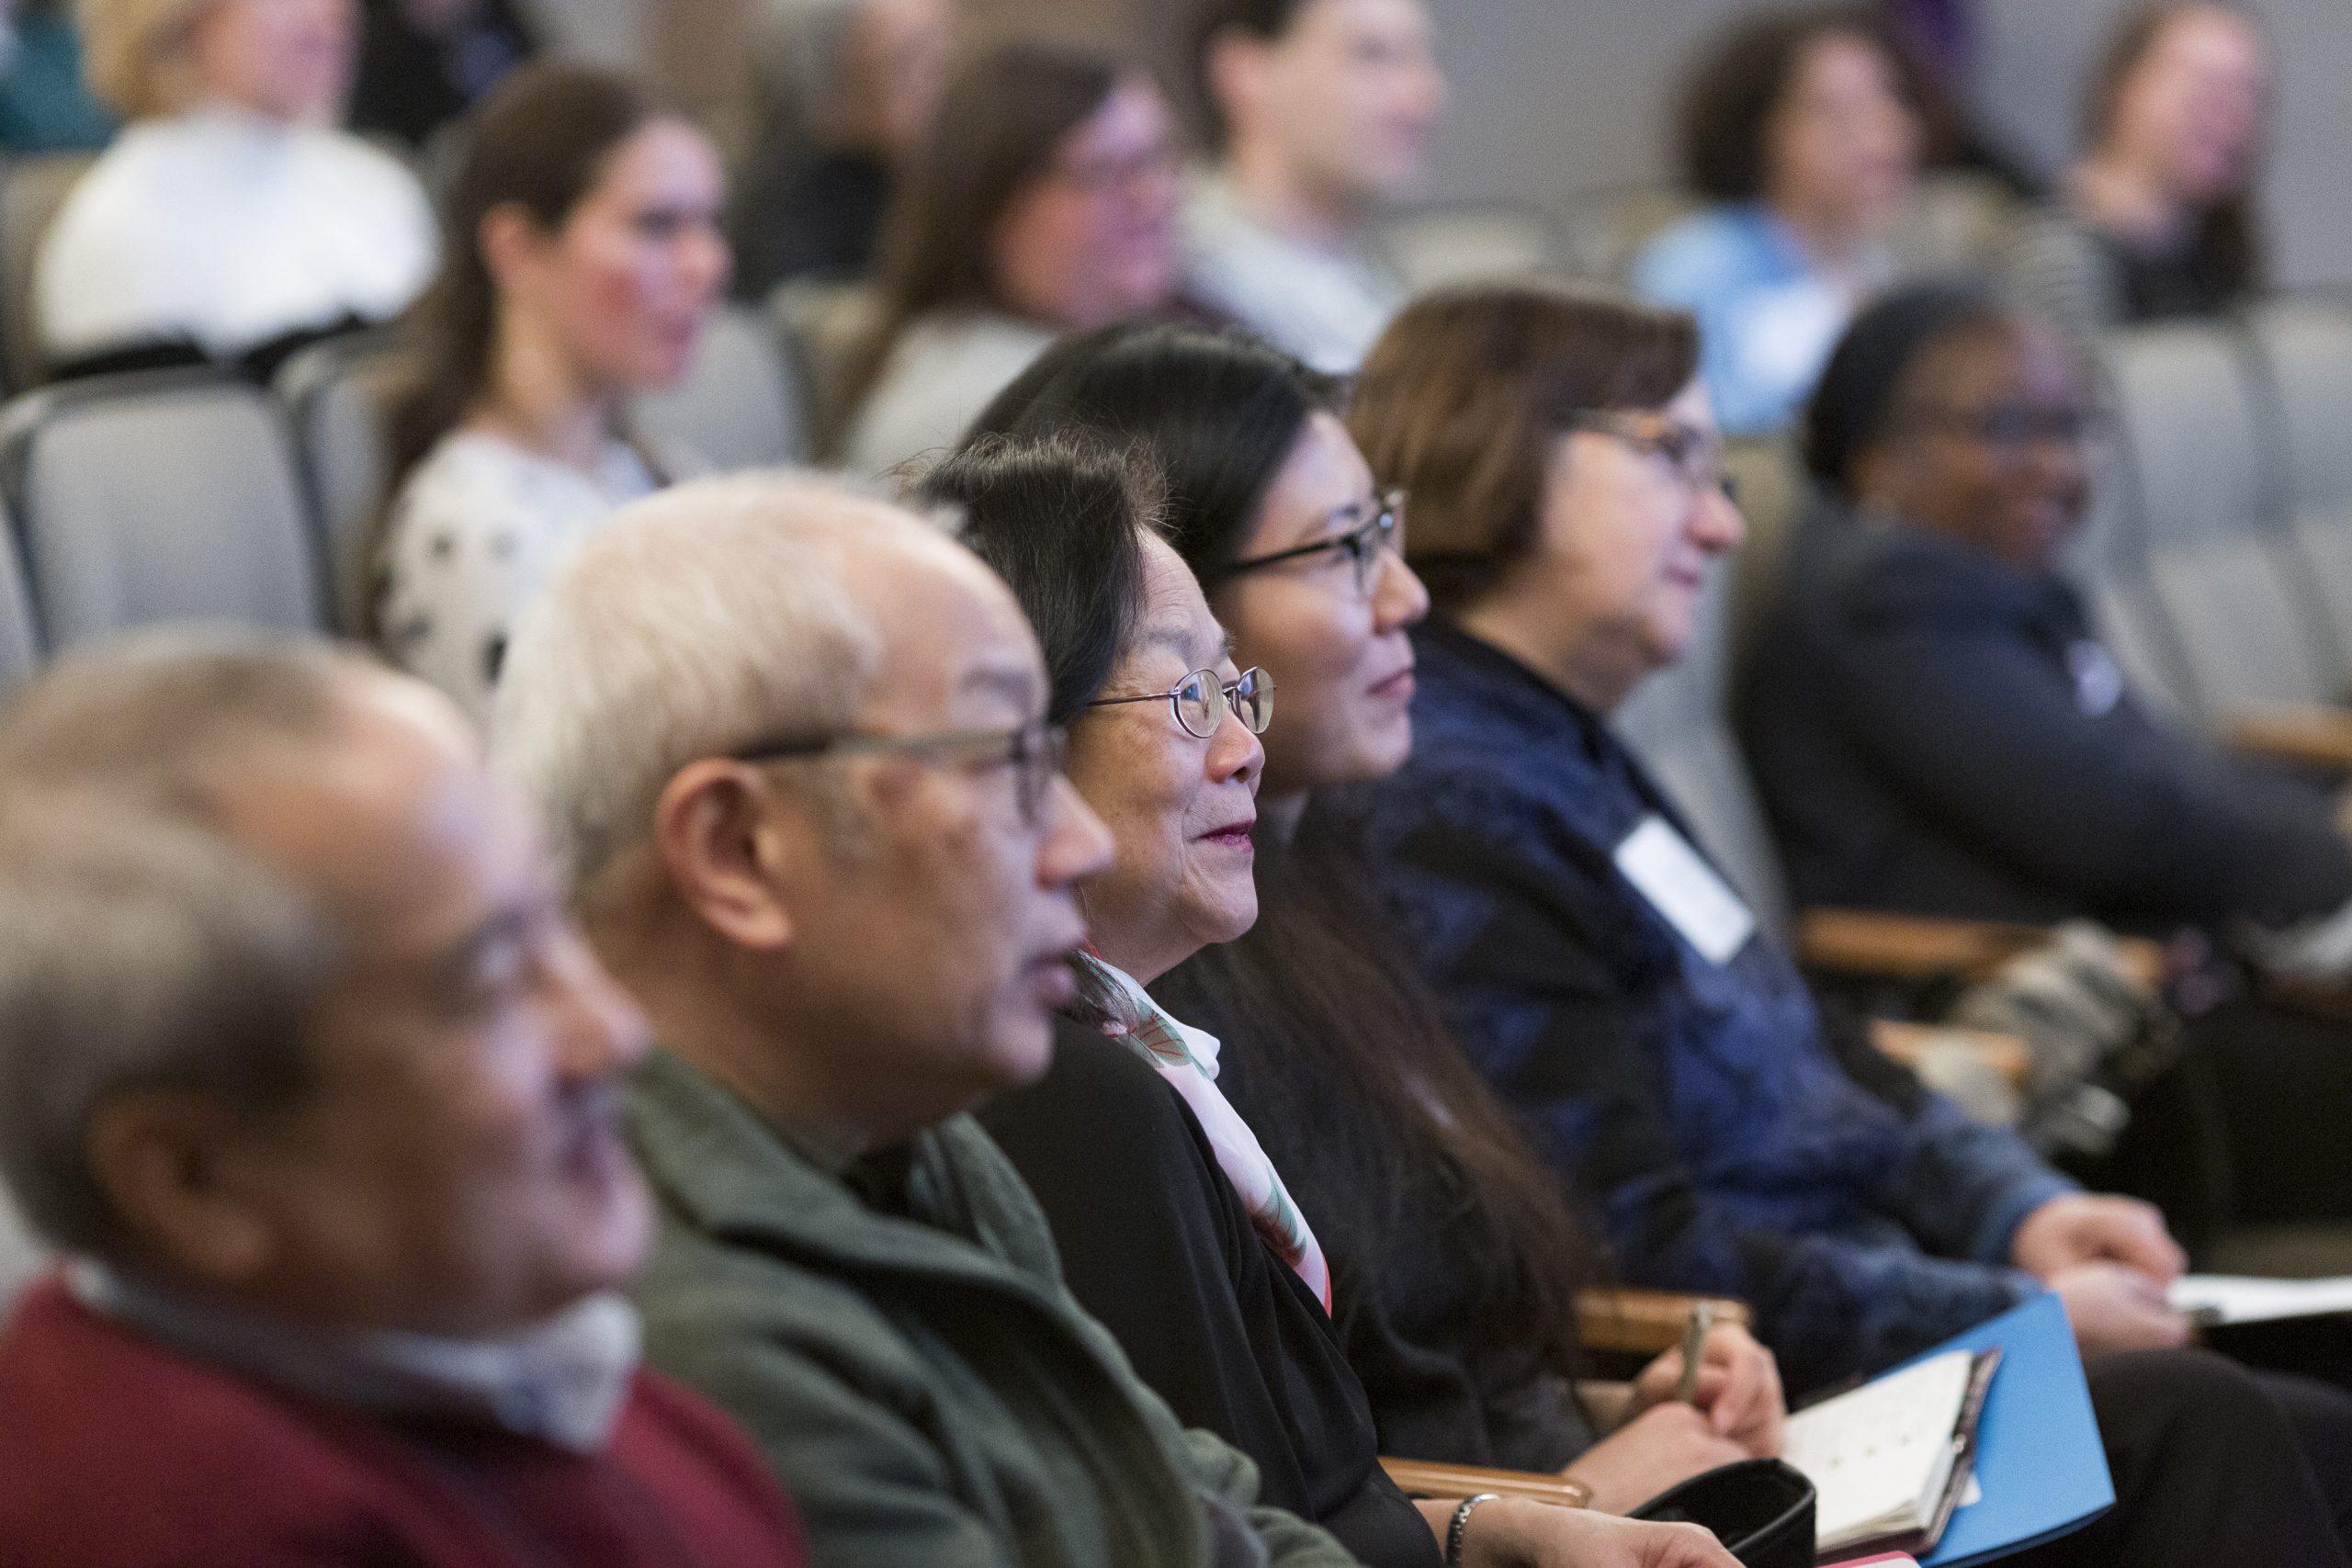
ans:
(1076, 847)
(1716, 524)
(599, 1029)
(709, 261)
(1235, 754)
(1399, 598)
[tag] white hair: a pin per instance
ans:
(715, 616)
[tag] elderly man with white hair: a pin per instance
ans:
(304, 1069)
(788, 742)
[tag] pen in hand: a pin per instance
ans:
(1694, 1349)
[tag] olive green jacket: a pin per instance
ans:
(924, 1387)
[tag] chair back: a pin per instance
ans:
(32, 192)
(158, 496)
(2197, 480)
(739, 406)
(1464, 243)
(336, 396)
(2303, 345)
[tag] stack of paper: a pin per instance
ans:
(2218, 1299)
(1884, 1457)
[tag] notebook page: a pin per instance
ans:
(1881, 1456)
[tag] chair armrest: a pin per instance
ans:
(2301, 737)
(1426, 1480)
(1643, 1323)
(1921, 948)
(1907, 1043)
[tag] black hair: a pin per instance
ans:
(1856, 397)
(1218, 412)
(1062, 520)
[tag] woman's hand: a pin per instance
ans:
(1664, 1446)
(1510, 1532)
(1739, 1389)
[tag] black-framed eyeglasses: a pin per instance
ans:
(2012, 424)
(1696, 455)
(1035, 751)
(1372, 528)
(1199, 702)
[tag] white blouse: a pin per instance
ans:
(476, 532)
(226, 227)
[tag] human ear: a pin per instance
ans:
(161, 1160)
(510, 240)
(718, 843)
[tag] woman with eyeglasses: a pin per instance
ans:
(1936, 728)
(1611, 988)
(1453, 1258)
(1174, 1226)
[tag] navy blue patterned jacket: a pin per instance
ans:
(1735, 1147)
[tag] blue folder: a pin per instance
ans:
(2038, 1458)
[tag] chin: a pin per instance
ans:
(1021, 1051)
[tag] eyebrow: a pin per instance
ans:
(1017, 684)
(1178, 638)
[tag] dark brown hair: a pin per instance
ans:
(999, 125)
(1463, 400)
(2227, 248)
(1739, 81)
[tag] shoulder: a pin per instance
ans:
(1100, 1113)
(110, 1444)
(1718, 248)
(476, 483)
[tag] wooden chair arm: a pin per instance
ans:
(1907, 1043)
(2299, 737)
(1420, 1478)
(1920, 948)
(1642, 1323)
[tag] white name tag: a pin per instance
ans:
(1666, 871)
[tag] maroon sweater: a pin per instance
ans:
(116, 1454)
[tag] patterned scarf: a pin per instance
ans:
(1187, 1057)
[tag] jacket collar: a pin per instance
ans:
(729, 1175)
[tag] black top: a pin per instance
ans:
(819, 221)
(2168, 283)
(1157, 1245)
(1935, 731)
(411, 84)
(1447, 1382)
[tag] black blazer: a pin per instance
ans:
(1936, 732)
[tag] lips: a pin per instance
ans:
(1398, 686)
(1233, 835)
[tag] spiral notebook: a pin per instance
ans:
(1891, 1460)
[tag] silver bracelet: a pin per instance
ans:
(1461, 1523)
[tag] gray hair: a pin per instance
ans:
(713, 616)
(139, 946)
(137, 951)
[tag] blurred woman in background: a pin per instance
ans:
(1045, 202)
(2158, 220)
(229, 221)
(584, 259)
(1802, 129)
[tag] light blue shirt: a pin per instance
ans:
(1767, 317)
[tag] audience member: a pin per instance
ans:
(584, 259)
(1936, 728)
(229, 221)
(1801, 129)
(424, 63)
(1453, 1270)
(2158, 220)
(45, 104)
(791, 747)
(1182, 1236)
(847, 89)
(1322, 110)
(1550, 890)
(309, 1075)
(1043, 201)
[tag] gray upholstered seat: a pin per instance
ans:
(334, 395)
(161, 496)
(1678, 723)
(1463, 242)
(739, 407)
(2305, 352)
(2198, 486)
